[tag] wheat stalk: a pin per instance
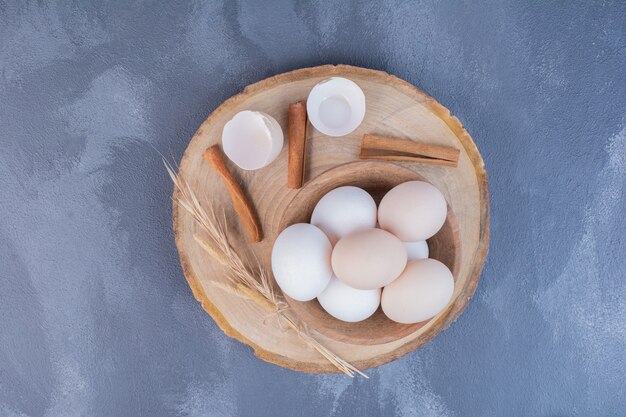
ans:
(245, 282)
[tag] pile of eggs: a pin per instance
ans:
(354, 257)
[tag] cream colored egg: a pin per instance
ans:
(420, 293)
(344, 210)
(368, 259)
(416, 250)
(301, 261)
(348, 304)
(412, 211)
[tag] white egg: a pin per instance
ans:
(420, 293)
(348, 304)
(416, 250)
(252, 139)
(301, 261)
(336, 106)
(412, 211)
(344, 210)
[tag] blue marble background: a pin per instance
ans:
(95, 316)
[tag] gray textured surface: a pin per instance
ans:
(95, 316)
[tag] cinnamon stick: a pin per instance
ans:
(393, 149)
(242, 205)
(297, 144)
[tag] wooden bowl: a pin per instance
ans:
(376, 178)
(394, 108)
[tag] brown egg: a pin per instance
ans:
(420, 293)
(368, 259)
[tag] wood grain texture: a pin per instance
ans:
(394, 108)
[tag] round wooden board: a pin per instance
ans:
(394, 108)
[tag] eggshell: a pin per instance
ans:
(252, 139)
(344, 210)
(368, 259)
(348, 304)
(420, 293)
(336, 106)
(301, 261)
(416, 250)
(412, 211)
